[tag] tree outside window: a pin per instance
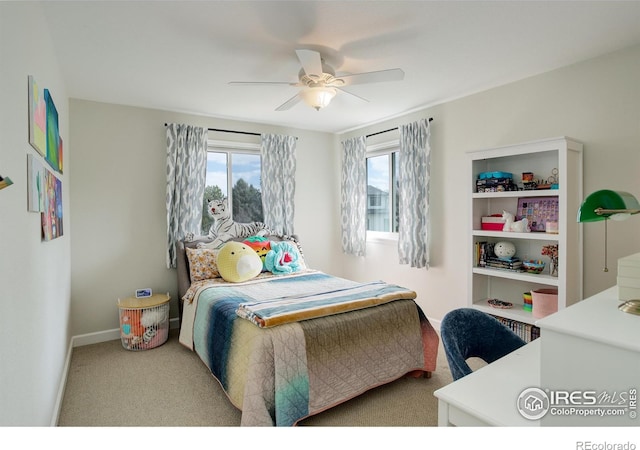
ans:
(237, 173)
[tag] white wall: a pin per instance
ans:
(119, 215)
(596, 102)
(34, 275)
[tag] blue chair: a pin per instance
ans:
(468, 332)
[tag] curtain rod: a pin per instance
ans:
(234, 131)
(390, 129)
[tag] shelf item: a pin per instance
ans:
(494, 222)
(539, 211)
(534, 266)
(551, 209)
(545, 302)
(526, 331)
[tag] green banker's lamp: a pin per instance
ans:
(614, 205)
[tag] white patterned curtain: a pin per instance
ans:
(413, 187)
(278, 181)
(186, 173)
(354, 196)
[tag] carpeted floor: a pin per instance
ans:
(169, 386)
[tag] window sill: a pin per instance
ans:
(381, 237)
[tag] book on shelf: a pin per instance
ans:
(501, 263)
(485, 257)
(526, 331)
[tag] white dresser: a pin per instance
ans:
(586, 363)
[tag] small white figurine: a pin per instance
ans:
(520, 226)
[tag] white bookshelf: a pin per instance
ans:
(539, 157)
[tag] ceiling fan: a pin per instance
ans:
(319, 82)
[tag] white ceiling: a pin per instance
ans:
(180, 55)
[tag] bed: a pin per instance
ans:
(280, 360)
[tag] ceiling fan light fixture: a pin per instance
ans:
(318, 97)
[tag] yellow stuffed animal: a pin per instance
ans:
(238, 262)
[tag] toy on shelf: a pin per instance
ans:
(530, 184)
(504, 249)
(518, 226)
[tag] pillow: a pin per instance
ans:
(293, 240)
(259, 244)
(237, 262)
(283, 258)
(202, 263)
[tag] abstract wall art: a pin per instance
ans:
(37, 117)
(54, 143)
(36, 176)
(52, 215)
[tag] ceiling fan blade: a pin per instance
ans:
(311, 62)
(373, 77)
(351, 93)
(260, 83)
(289, 103)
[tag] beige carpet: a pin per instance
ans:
(169, 386)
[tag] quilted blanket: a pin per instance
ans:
(282, 374)
(318, 295)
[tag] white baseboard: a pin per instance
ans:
(107, 335)
(61, 386)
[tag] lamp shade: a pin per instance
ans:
(605, 204)
(318, 97)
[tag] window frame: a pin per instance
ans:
(230, 148)
(380, 149)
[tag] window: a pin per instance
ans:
(382, 189)
(233, 171)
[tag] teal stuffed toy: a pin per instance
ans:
(283, 258)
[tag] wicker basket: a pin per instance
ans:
(144, 322)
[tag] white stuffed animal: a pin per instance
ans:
(520, 226)
(224, 228)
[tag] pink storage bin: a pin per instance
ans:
(492, 223)
(545, 302)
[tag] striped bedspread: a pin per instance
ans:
(278, 375)
(317, 295)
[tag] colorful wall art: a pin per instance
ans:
(37, 118)
(52, 214)
(54, 143)
(36, 175)
(44, 189)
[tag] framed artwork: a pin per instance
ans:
(44, 189)
(538, 211)
(54, 143)
(37, 118)
(52, 214)
(36, 176)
